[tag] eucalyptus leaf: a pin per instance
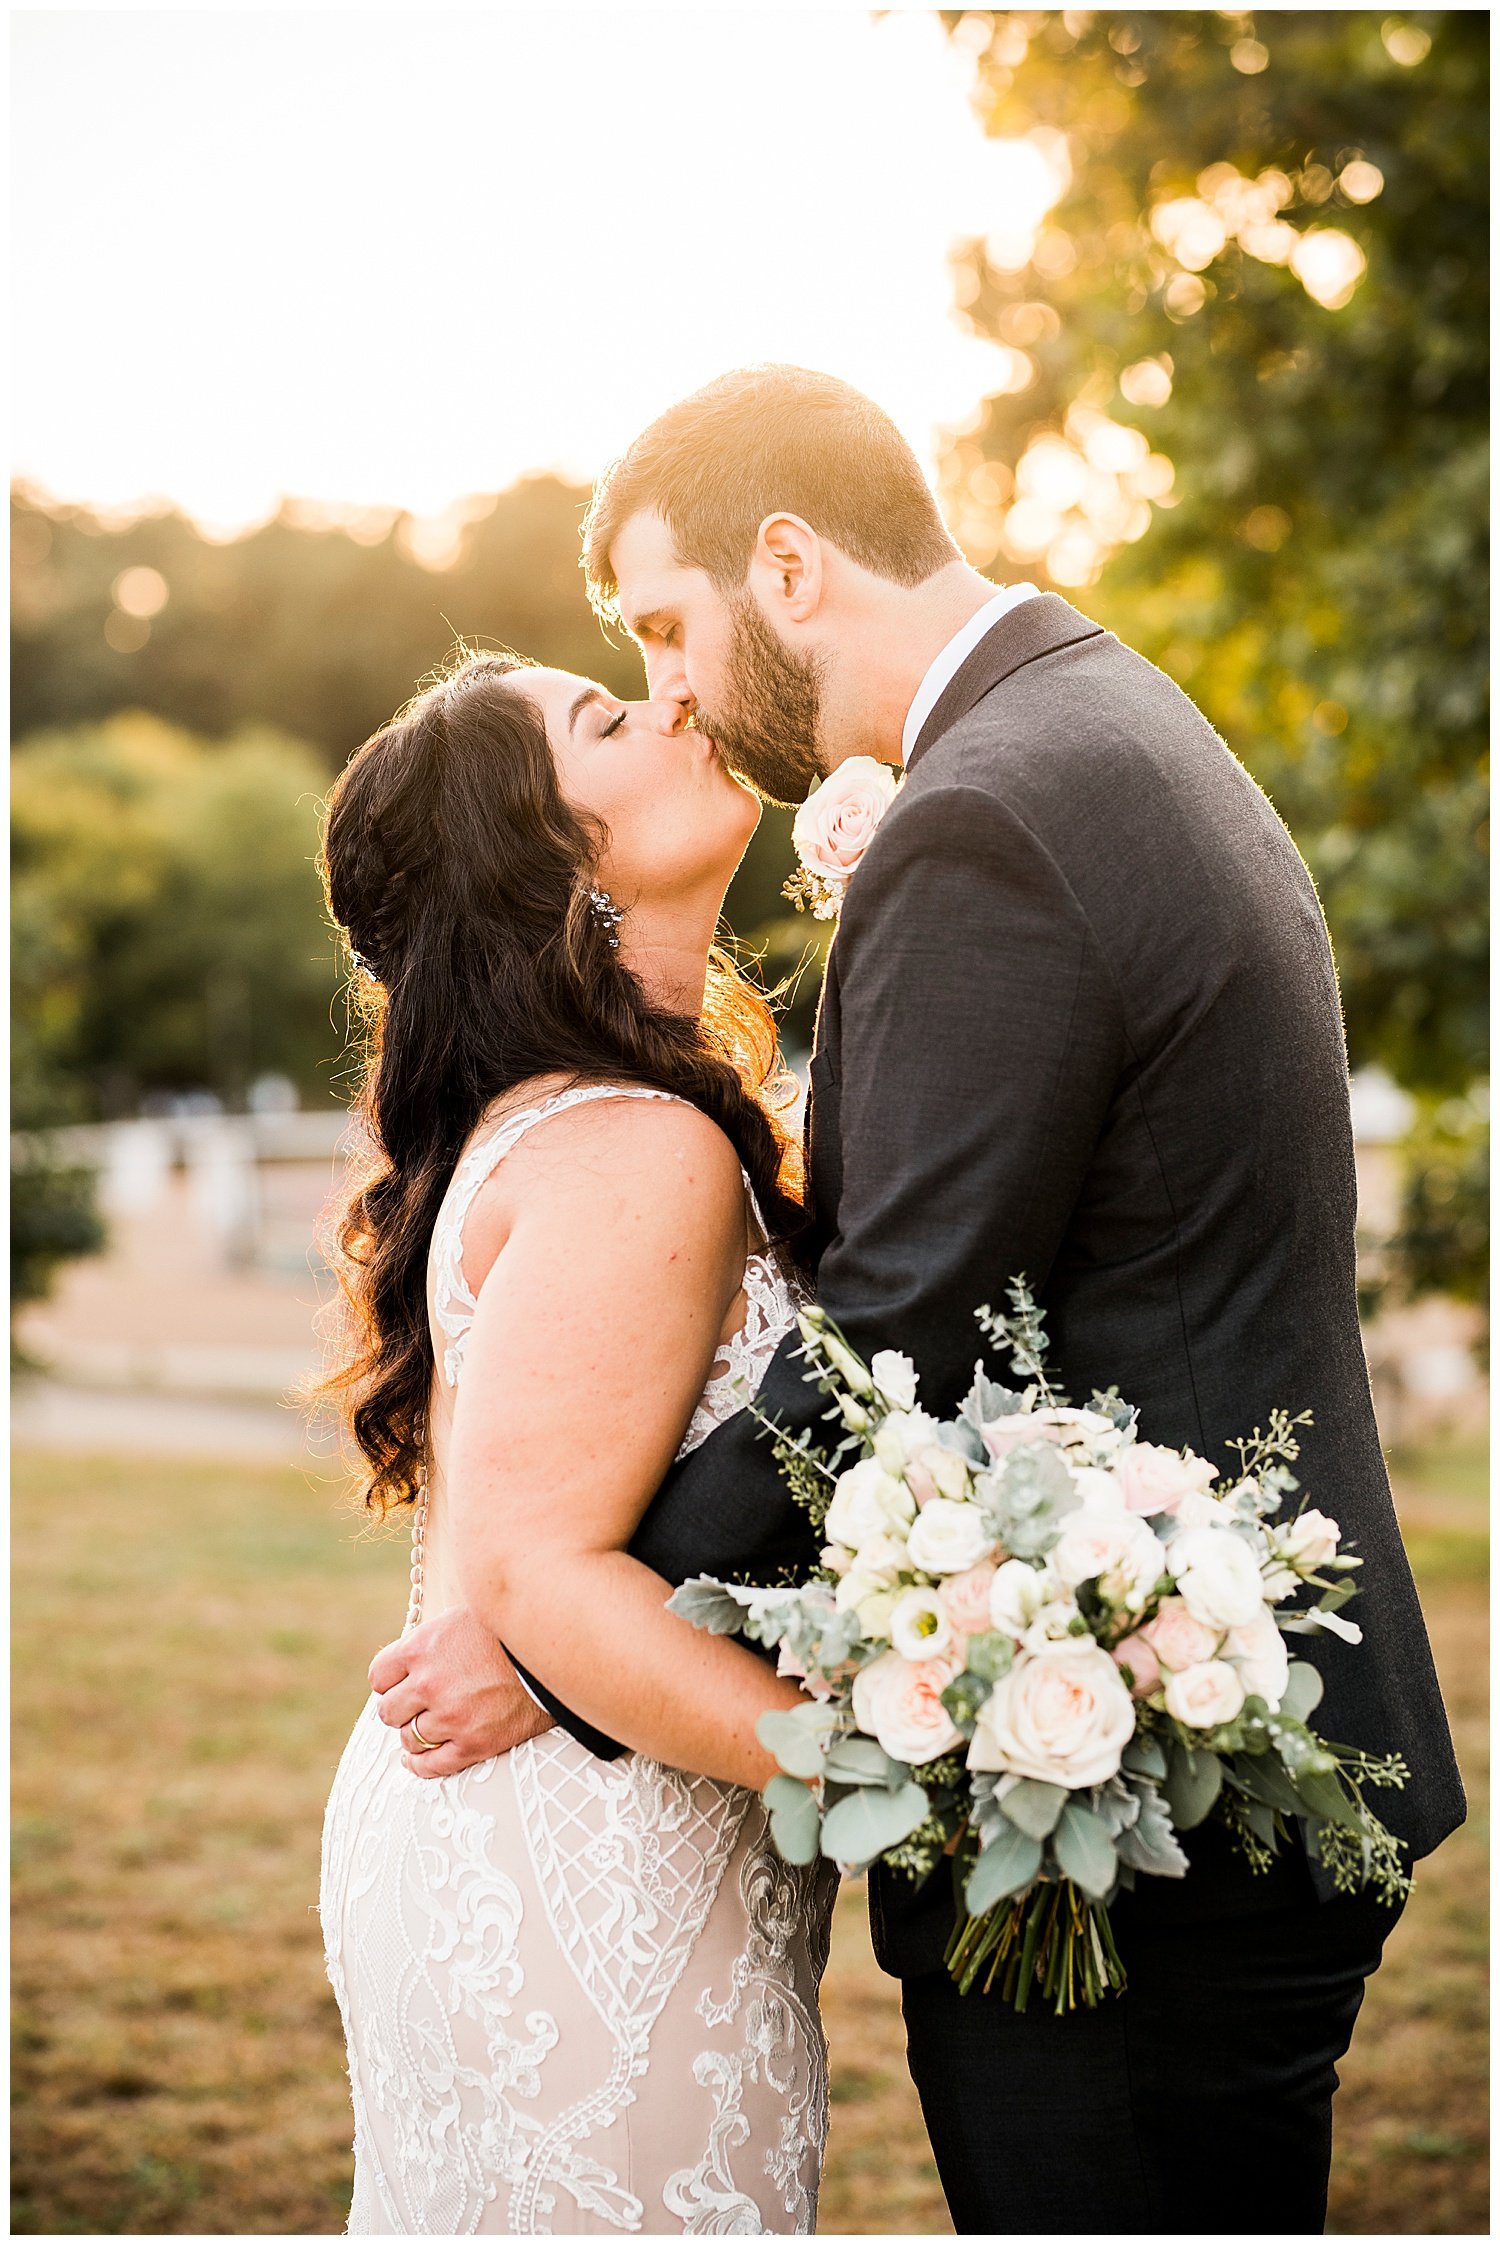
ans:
(798, 1745)
(864, 1824)
(1008, 1864)
(1191, 1786)
(990, 1655)
(795, 1820)
(1084, 1850)
(1034, 1807)
(857, 1760)
(1304, 1689)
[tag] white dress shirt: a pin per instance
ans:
(953, 656)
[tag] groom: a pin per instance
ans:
(1080, 1022)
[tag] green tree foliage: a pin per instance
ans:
(1442, 1244)
(168, 927)
(321, 632)
(1316, 574)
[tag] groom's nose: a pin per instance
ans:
(666, 680)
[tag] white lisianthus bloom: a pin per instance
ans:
(1205, 1696)
(895, 1376)
(1114, 1548)
(867, 1502)
(1308, 1542)
(901, 1435)
(1218, 1576)
(899, 1702)
(1259, 1652)
(1277, 1581)
(1064, 1720)
(946, 1538)
(920, 1627)
(847, 1365)
(1065, 1426)
(1017, 1596)
(876, 1567)
(836, 1558)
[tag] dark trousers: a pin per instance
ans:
(1199, 2100)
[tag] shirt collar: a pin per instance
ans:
(953, 656)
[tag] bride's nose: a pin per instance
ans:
(670, 712)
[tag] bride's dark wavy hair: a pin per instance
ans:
(459, 877)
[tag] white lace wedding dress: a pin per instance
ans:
(578, 1995)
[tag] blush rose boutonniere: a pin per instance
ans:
(833, 830)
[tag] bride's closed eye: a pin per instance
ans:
(615, 725)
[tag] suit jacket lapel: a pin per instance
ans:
(1034, 628)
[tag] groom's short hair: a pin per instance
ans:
(760, 441)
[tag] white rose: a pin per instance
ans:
(1218, 1576)
(1260, 1655)
(1205, 1696)
(1197, 1510)
(899, 1702)
(895, 1376)
(1017, 1596)
(837, 823)
(867, 1502)
(1100, 1490)
(1116, 1549)
(1064, 1720)
(946, 1538)
(1308, 1542)
(920, 1627)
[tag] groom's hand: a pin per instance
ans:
(452, 1675)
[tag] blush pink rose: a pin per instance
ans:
(837, 823)
(1177, 1638)
(1138, 1654)
(1157, 1480)
(966, 1599)
(899, 1702)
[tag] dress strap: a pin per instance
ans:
(453, 1303)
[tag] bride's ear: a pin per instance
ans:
(786, 568)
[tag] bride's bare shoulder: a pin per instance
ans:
(615, 1151)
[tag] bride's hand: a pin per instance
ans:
(452, 1675)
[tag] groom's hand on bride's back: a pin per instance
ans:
(451, 1674)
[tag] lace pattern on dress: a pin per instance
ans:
(570, 1980)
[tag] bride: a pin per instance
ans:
(579, 1995)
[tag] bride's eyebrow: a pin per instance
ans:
(581, 703)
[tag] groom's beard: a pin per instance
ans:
(768, 730)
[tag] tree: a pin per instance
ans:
(1243, 423)
(168, 925)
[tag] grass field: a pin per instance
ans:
(190, 1645)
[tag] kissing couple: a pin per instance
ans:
(1080, 1021)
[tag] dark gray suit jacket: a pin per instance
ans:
(1081, 1021)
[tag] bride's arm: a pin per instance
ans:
(597, 1324)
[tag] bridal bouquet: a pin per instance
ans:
(1046, 1649)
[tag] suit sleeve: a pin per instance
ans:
(979, 1050)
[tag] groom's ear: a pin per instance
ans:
(786, 568)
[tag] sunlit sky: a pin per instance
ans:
(389, 258)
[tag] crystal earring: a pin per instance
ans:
(608, 914)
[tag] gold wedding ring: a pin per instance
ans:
(424, 1745)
